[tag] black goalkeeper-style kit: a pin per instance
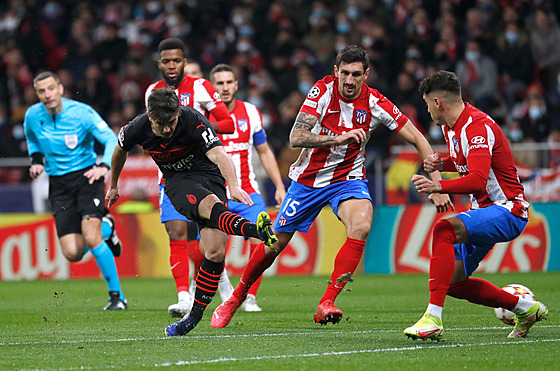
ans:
(188, 173)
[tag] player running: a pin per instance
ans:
(480, 153)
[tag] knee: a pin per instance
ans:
(73, 255)
(359, 231)
(216, 255)
(177, 234)
(444, 229)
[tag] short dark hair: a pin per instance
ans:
(351, 54)
(222, 67)
(45, 75)
(163, 104)
(171, 43)
(440, 81)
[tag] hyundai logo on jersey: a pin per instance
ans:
(243, 125)
(185, 99)
(361, 116)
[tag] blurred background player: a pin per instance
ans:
(183, 235)
(195, 166)
(193, 69)
(479, 151)
(249, 133)
(333, 127)
(63, 131)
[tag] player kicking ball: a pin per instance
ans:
(479, 151)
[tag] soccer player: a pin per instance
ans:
(333, 126)
(193, 69)
(183, 234)
(248, 133)
(195, 167)
(63, 131)
(479, 152)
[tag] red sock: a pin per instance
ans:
(442, 263)
(179, 262)
(195, 255)
(479, 291)
(346, 261)
(255, 286)
(257, 264)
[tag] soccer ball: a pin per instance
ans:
(516, 289)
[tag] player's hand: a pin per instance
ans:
(425, 185)
(239, 195)
(433, 163)
(112, 196)
(36, 170)
(353, 136)
(279, 196)
(96, 173)
(442, 202)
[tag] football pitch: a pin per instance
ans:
(60, 325)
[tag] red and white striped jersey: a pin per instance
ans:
(319, 167)
(193, 92)
(239, 145)
(475, 134)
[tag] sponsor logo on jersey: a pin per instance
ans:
(191, 198)
(185, 99)
(310, 103)
(361, 116)
(243, 125)
(314, 92)
(478, 140)
(462, 168)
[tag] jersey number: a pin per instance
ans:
(208, 136)
(292, 205)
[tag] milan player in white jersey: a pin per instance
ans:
(249, 133)
(333, 126)
(183, 235)
(480, 153)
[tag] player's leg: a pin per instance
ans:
(109, 234)
(250, 303)
(176, 228)
(213, 243)
(193, 250)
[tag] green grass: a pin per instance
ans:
(61, 325)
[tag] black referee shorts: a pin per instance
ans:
(72, 198)
(185, 191)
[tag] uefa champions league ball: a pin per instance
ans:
(516, 289)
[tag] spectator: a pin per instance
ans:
(545, 44)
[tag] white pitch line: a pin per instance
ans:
(195, 337)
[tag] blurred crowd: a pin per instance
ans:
(506, 54)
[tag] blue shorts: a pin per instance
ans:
(485, 228)
(248, 212)
(166, 210)
(302, 204)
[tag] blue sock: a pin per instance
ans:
(106, 263)
(105, 230)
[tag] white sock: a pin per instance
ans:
(184, 295)
(522, 306)
(434, 310)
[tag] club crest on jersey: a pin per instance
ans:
(185, 99)
(71, 140)
(361, 116)
(282, 220)
(243, 125)
(456, 144)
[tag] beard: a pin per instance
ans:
(174, 82)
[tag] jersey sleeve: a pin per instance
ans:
(314, 101)
(387, 112)
(127, 134)
(255, 117)
(202, 129)
(33, 145)
(480, 140)
(102, 132)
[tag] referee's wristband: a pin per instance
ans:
(104, 165)
(36, 158)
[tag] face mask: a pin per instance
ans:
(18, 132)
(516, 135)
(535, 112)
(246, 31)
(352, 12)
(304, 87)
(257, 101)
(436, 133)
(244, 47)
(343, 28)
(512, 37)
(472, 56)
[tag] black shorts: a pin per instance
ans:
(185, 191)
(72, 198)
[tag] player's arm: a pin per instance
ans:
(105, 135)
(224, 123)
(442, 202)
(33, 148)
(219, 157)
(271, 167)
(301, 135)
(117, 163)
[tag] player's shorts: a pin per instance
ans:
(248, 212)
(486, 227)
(72, 198)
(185, 191)
(302, 204)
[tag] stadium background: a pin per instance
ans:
(105, 53)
